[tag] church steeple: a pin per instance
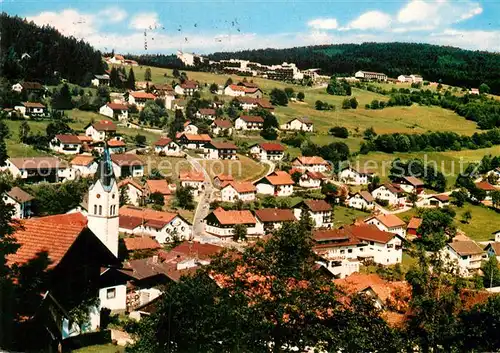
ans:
(105, 170)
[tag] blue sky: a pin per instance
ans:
(207, 26)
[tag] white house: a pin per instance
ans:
(249, 122)
(116, 111)
(238, 190)
(113, 295)
(222, 127)
(356, 176)
(100, 130)
(298, 124)
(220, 150)
(369, 76)
(362, 200)
(66, 144)
(311, 164)
(31, 109)
(411, 184)
(319, 210)
(100, 80)
(249, 103)
(125, 165)
(168, 147)
(165, 227)
(466, 255)
(438, 201)
(278, 183)
(84, 166)
(20, 200)
(206, 113)
(358, 242)
(194, 142)
(139, 98)
(194, 180)
(267, 151)
(388, 223)
(187, 88)
(416, 78)
(38, 169)
(221, 223)
(133, 190)
(190, 128)
(242, 91)
(497, 235)
(310, 180)
(391, 193)
(270, 219)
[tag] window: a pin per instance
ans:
(389, 246)
(342, 251)
(100, 210)
(95, 209)
(372, 243)
(111, 293)
(349, 251)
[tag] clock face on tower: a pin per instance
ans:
(98, 196)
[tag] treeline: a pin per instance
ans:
(454, 66)
(430, 142)
(32, 53)
(159, 60)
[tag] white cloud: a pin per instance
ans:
(323, 23)
(371, 20)
(68, 22)
(146, 20)
(112, 14)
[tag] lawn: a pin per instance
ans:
(345, 216)
(243, 169)
(170, 167)
(105, 348)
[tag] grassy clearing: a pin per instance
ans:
(345, 216)
(243, 169)
(104, 348)
(170, 167)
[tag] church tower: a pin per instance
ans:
(104, 204)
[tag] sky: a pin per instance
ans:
(165, 26)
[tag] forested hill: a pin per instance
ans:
(32, 53)
(453, 66)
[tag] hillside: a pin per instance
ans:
(454, 66)
(50, 55)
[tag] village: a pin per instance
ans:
(146, 228)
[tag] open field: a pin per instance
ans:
(243, 169)
(170, 167)
(105, 348)
(345, 216)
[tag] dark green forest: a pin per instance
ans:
(450, 65)
(32, 53)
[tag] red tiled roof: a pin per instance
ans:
(366, 195)
(318, 205)
(240, 186)
(126, 160)
(164, 141)
(313, 160)
(441, 197)
(275, 215)
(141, 243)
(117, 106)
(142, 95)
(389, 220)
(192, 176)
(414, 181)
(268, 146)
(394, 188)
(37, 162)
(189, 249)
(104, 125)
(189, 85)
(69, 139)
(54, 234)
(252, 118)
(224, 177)
(82, 160)
(414, 223)
(486, 186)
(161, 186)
(222, 145)
(465, 247)
(33, 105)
(226, 124)
(207, 111)
(234, 216)
(264, 103)
(130, 222)
(279, 178)
(19, 195)
(116, 143)
(131, 182)
(83, 138)
(244, 89)
(147, 214)
(315, 175)
(193, 137)
(370, 232)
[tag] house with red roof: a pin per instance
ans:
(392, 193)
(193, 142)
(31, 109)
(236, 90)
(139, 98)
(220, 150)
(413, 225)
(298, 124)
(222, 127)
(278, 183)
(162, 226)
(487, 188)
(140, 244)
(410, 184)
(233, 191)
(84, 166)
(270, 219)
(362, 200)
(438, 201)
(249, 103)
(66, 144)
(127, 164)
(249, 123)
(165, 146)
(388, 223)
(194, 180)
(206, 113)
(466, 255)
(117, 145)
(311, 163)
(187, 88)
(133, 190)
(319, 210)
(100, 130)
(310, 180)
(220, 179)
(117, 111)
(160, 186)
(221, 223)
(268, 151)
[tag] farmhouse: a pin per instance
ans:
(139, 98)
(243, 91)
(388, 223)
(438, 201)
(267, 151)
(116, 145)
(194, 142)
(38, 169)
(392, 193)
(311, 164)
(249, 122)
(187, 88)
(168, 147)
(220, 179)
(221, 223)
(116, 111)
(125, 165)
(206, 113)
(319, 210)
(248, 103)
(220, 150)
(278, 183)
(222, 127)
(162, 226)
(487, 188)
(66, 144)
(20, 200)
(356, 176)
(362, 200)
(232, 191)
(405, 78)
(29, 87)
(31, 109)
(100, 80)
(371, 76)
(101, 130)
(194, 180)
(309, 180)
(84, 166)
(298, 124)
(466, 255)
(270, 219)
(160, 186)
(133, 190)
(411, 184)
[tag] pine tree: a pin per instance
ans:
(178, 124)
(131, 80)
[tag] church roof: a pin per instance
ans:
(105, 170)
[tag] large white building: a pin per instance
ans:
(221, 223)
(278, 183)
(116, 111)
(311, 164)
(319, 210)
(298, 124)
(388, 223)
(100, 130)
(392, 193)
(238, 190)
(267, 151)
(362, 200)
(466, 255)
